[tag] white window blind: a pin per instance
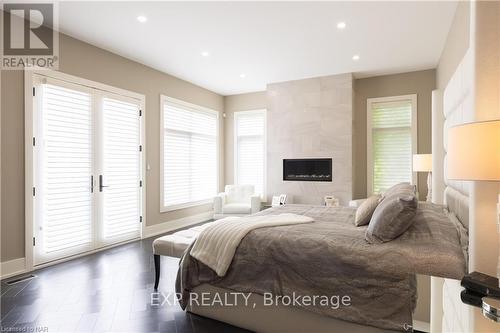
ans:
(121, 172)
(66, 161)
(391, 132)
(249, 148)
(83, 138)
(189, 153)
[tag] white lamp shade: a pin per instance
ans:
(474, 151)
(422, 162)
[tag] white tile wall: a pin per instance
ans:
(310, 118)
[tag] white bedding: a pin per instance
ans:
(216, 245)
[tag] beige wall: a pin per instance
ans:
(421, 83)
(87, 61)
(232, 104)
(12, 132)
(456, 45)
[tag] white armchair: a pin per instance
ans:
(236, 200)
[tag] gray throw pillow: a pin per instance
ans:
(401, 188)
(366, 209)
(392, 217)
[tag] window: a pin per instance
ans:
(249, 148)
(189, 154)
(392, 139)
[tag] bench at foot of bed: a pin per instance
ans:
(174, 245)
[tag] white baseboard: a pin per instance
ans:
(421, 326)
(12, 267)
(164, 227)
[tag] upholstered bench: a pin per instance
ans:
(174, 245)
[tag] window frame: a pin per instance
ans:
(369, 139)
(164, 99)
(236, 114)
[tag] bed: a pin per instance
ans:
(328, 257)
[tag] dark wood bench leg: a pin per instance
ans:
(157, 270)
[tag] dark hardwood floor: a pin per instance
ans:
(103, 292)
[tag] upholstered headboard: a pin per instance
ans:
(457, 109)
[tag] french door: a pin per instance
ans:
(87, 165)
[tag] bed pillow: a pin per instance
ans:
(401, 188)
(392, 217)
(366, 209)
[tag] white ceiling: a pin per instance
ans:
(268, 41)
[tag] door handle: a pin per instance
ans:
(91, 184)
(101, 186)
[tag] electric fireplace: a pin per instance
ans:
(308, 169)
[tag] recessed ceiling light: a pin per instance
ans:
(142, 18)
(205, 54)
(341, 25)
(243, 75)
(355, 57)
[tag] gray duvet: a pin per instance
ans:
(330, 257)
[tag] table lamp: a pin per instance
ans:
(474, 151)
(423, 163)
(474, 154)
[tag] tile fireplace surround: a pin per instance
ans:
(310, 118)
